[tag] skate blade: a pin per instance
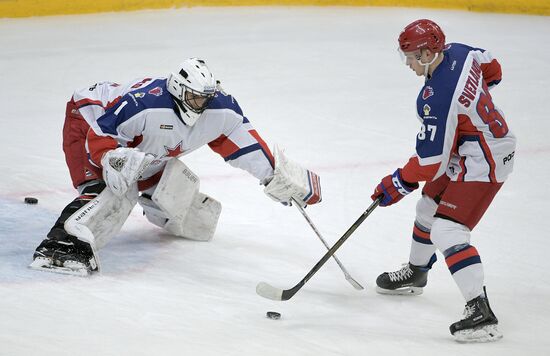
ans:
(41, 264)
(488, 333)
(401, 291)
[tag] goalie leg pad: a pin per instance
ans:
(152, 212)
(201, 220)
(176, 190)
(102, 218)
(179, 207)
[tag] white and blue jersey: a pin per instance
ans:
(142, 114)
(463, 134)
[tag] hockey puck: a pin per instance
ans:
(273, 315)
(31, 200)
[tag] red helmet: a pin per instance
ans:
(422, 34)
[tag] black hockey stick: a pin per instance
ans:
(348, 277)
(268, 291)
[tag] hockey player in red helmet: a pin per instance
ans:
(464, 153)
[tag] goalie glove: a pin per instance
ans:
(122, 167)
(292, 181)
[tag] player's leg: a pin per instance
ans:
(413, 276)
(61, 249)
(461, 207)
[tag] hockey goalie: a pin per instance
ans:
(122, 144)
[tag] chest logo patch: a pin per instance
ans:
(426, 109)
(166, 127)
(428, 91)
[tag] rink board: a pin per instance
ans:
(28, 8)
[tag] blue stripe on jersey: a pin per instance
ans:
(434, 109)
(153, 96)
(225, 101)
(243, 151)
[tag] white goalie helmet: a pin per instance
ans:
(192, 86)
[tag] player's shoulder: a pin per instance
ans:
(222, 100)
(150, 95)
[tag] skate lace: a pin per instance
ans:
(469, 310)
(402, 274)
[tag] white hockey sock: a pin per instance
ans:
(463, 261)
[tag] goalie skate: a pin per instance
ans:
(69, 267)
(67, 256)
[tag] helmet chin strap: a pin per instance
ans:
(427, 65)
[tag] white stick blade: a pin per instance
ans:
(267, 291)
(354, 283)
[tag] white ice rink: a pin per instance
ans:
(327, 85)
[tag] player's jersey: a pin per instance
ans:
(142, 114)
(463, 134)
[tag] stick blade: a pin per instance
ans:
(354, 283)
(268, 291)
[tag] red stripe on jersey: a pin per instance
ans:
(467, 128)
(491, 71)
(460, 256)
(262, 143)
(413, 172)
(112, 103)
(98, 145)
(422, 234)
(223, 146)
(87, 101)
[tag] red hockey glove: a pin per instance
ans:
(393, 188)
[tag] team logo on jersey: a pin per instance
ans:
(173, 151)
(428, 91)
(166, 127)
(156, 91)
(139, 95)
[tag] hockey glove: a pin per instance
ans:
(122, 167)
(393, 188)
(292, 181)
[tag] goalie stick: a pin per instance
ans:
(268, 291)
(348, 277)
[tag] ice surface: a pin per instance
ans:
(327, 85)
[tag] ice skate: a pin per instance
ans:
(69, 256)
(479, 323)
(409, 280)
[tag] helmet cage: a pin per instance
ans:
(193, 100)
